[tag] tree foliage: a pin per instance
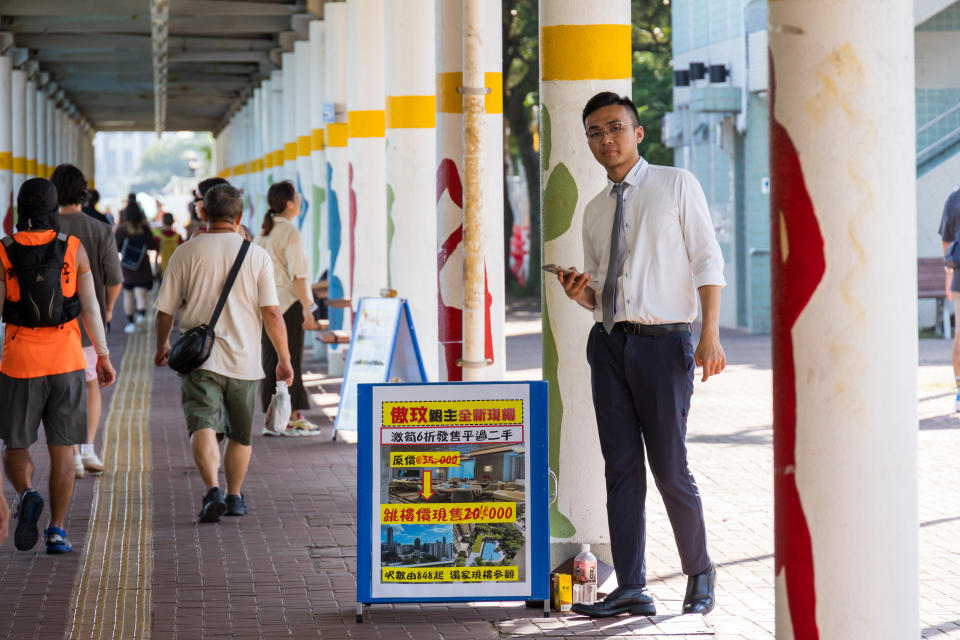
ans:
(167, 158)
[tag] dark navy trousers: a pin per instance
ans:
(641, 394)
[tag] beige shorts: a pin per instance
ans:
(90, 371)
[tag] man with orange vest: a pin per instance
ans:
(45, 283)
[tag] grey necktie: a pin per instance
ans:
(609, 295)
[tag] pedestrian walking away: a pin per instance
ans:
(281, 239)
(168, 239)
(218, 397)
(950, 232)
(42, 366)
(97, 240)
(135, 241)
(649, 248)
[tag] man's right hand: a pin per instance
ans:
(106, 375)
(163, 355)
(285, 371)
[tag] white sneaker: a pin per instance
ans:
(130, 328)
(92, 463)
(78, 469)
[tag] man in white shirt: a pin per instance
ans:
(649, 249)
(226, 383)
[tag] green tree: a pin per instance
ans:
(167, 158)
(652, 74)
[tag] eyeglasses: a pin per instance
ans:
(613, 130)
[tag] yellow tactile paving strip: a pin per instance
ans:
(111, 593)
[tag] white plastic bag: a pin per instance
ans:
(278, 413)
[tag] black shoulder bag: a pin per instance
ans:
(194, 347)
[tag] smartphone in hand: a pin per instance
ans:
(555, 268)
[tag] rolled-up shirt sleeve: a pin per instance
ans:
(295, 256)
(266, 285)
(700, 239)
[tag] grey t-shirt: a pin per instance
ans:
(97, 240)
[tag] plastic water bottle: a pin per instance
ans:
(585, 573)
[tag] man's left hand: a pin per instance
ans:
(710, 356)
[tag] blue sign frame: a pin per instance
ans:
(537, 508)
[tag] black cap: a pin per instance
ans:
(37, 206)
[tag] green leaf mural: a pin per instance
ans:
(544, 138)
(391, 198)
(560, 525)
(559, 203)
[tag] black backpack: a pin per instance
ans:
(37, 270)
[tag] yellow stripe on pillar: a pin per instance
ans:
(337, 134)
(317, 140)
(366, 124)
(19, 165)
(268, 161)
(585, 52)
(303, 146)
(240, 169)
(278, 158)
(449, 101)
(411, 112)
(290, 151)
(6, 160)
(31, 167)
(256, 166)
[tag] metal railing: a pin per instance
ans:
(930, 150)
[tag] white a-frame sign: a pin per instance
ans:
(383, 348)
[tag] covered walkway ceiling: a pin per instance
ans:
(99, 53)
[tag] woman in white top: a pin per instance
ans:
(281, 238)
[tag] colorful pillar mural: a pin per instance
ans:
(366, 100)
(30, 120)
(18, 128)
(6, 142)
(450, 150)
(304, 166)
(843, 263)
(411, 158)
(583, 50)
(338, 164)
(318, 161)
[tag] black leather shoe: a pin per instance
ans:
(634, 599)
(700, 589)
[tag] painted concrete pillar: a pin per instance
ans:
(242, 166)
(450, 152)
(257, 190)
(366, 102)
(411, 159)
(30, 124)
(58, 135)
(6, 142)
(304, 165)
(843, 229)
(289, 118)
(278, 114)
(266, 143)
(583, 50)
(318, 161)
(338, 164)
(270, 125)
(50, 139)
(18, 144)
(41, 134)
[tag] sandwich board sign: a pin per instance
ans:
(383, 348)
(452, 495)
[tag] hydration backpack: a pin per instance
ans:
(40, 271)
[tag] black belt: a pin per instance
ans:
(656, 330)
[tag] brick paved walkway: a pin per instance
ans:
(287, 569)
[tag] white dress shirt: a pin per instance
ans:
(668, 245)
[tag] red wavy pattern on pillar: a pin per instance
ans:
(450, 329)
(8, 218)
(353, 228)
(793, 281)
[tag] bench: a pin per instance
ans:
(930, 285)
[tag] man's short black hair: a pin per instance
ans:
(71, 185)
(607, 98)
(93, 197)
(223, 202)
(168, 219)
(208, 184)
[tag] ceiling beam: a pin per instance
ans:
(140, 24)
(138, 7)
(218, 56)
